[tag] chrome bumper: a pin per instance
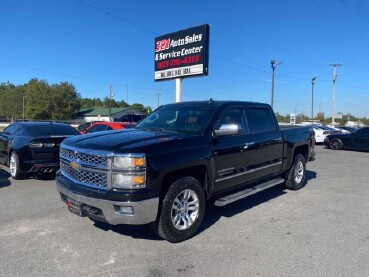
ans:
(135, 213)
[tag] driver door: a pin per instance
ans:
(6, 138)
(233, 153)
(361, 138)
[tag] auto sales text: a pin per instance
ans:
(174, 54)
(165, 44)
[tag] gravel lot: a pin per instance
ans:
(320, 230)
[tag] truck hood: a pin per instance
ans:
(123, 140)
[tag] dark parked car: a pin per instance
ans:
(133, 118)
(130, 120)
(33, 147)
(357, 140)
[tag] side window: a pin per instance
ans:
(233, 116)
(137, 118)
(11, 129)
(97, 128)
(364, 131)
(261, 120)
(125, 118)
(109, 128)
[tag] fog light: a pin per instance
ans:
(124, 210)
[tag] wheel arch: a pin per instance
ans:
(303, 150)
(198, 172)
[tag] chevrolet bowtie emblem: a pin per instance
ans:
(74, 165)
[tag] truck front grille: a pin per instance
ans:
(86, 167)
(91, 159)
(99, 179)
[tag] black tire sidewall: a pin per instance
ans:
(291, 182)
(15, 156)
(166, 228)
(339, 144)
(18, 174)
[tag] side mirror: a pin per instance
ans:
(227, 129)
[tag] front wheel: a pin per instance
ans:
(336, 144)
(15, 171)
(297, 174)
(182, 210)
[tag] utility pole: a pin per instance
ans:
(110, 96)
(334, 90)
(127, 94)
(23, 108)
(312, 100)
(272, 62)
(158, 95)
(179, 90)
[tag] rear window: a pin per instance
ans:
(49, 129)
(261, 120)
(130, 118)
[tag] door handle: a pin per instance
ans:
(247, 144)
(278, 139)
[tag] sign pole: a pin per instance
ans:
(178, 89)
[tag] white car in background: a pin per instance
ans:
(343, 131)
(322, 131)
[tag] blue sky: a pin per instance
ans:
(95, 43)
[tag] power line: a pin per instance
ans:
(352, 85)
(240, 64)
(119, 18)
(55, 73)
(155, 33)
(224, 59)
(75, 76)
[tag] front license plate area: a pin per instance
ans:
(75, 207)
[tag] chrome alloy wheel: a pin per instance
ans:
(13, 165)
(185, 209)
(299, 172)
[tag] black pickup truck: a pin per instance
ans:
(163, 170)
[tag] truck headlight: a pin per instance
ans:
(129, 181)
(129, 161)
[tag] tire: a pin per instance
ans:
(296, 177)
(15, 171)
(181, 212)
(336, 144)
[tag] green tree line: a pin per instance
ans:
(38, 100)
(322, 119)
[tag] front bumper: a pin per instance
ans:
(115, 212)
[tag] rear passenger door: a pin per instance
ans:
(268, 141)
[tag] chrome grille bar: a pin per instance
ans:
(86, 158)
(99, 179)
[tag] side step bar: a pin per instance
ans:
(247, 192)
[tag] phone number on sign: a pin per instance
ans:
(176, 62)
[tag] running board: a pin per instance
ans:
(247, 192)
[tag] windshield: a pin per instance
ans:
(180, 118)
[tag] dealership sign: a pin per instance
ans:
(182, 54)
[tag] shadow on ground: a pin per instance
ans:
(212, 213)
